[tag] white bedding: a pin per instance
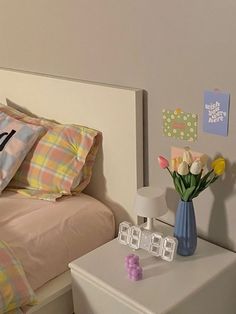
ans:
(46, 236)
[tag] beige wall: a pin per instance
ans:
(172, 49)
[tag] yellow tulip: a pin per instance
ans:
(218, 166)
(175, 162)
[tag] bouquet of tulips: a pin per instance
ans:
(188, 174)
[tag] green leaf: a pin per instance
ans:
(204, 184)
(214, 179)
(198, 186)
(177, 185)
(193, 180)
(188, 192)
(204, 179)
(181, 180)
(195, 195)
(187, 179)
(198, 179)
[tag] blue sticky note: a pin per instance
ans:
(216, 112)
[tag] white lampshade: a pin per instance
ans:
(150, 202)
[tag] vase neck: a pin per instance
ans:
(186, 201)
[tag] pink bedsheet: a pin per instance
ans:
(46, 236)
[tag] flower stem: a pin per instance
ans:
(169, 172)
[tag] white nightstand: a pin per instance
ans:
(204, 283)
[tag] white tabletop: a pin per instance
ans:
(165, 284)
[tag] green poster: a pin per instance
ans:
(179, 124)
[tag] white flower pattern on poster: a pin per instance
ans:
(180, 125)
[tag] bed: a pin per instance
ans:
(117, 172)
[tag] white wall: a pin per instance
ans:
(173, 49)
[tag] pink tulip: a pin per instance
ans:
(164, 163)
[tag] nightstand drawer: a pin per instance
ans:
(90, 298)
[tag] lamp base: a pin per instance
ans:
(149, 225)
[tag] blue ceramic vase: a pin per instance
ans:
(185, 229)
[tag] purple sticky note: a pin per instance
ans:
(216, 112)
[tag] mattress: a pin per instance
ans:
(46, 236)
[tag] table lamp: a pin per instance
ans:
(150, 203)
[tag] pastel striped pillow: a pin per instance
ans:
(16, 139)
(15, 290)
(60, 163)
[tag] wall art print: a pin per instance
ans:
(180, 125)
(216, 112)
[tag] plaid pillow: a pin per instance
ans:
(61, 161)
(16, 139)
(15, 290)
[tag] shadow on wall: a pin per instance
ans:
(98, 185)
(222, 189)
(98, 189)
(145, 139)
(172, 200)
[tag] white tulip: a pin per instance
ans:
(187, 156)
(196, 167)
(183, 168)
(204, 159)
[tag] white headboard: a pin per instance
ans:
(116, 111)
